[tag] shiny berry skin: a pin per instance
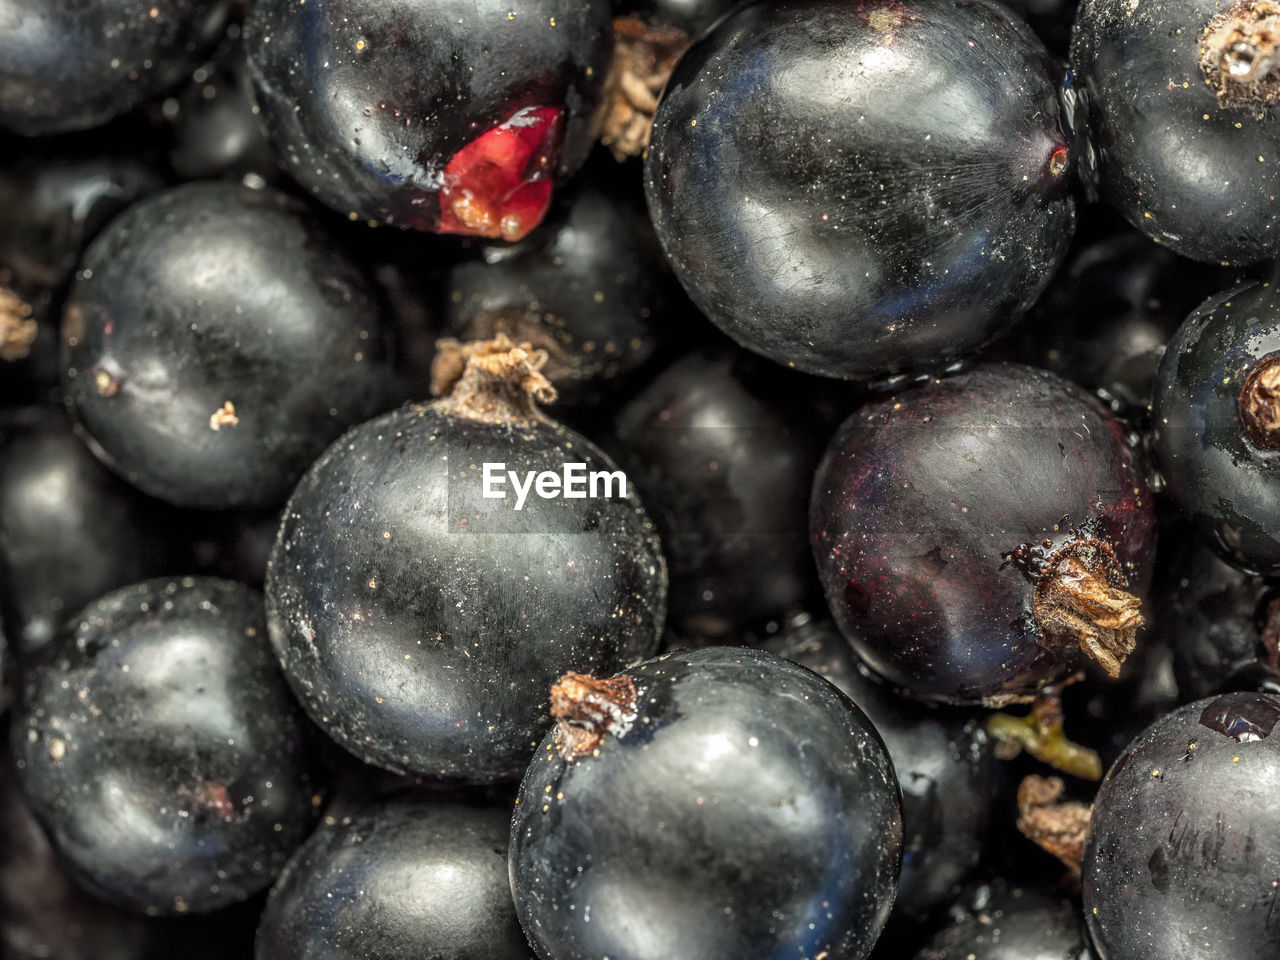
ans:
(716, 455)
(1183, 855)
(746, 809)
(159, 748)
(215, 341)
(70, 530)
(1013, 924)
(591, 287)
(455, 117)
(1216, 438)
(975, 533)
(948, 772)
(71, 65)
(860, 189)
(422, 624)
(404, 879)
(1190, 161)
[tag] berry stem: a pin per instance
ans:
(1041, 734)
(495, 380)
(586, 708)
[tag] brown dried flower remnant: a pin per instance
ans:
(1259, 404)
(17, 327)
(1081, 596)
(1239, 54)
(224, 416)
(494, 381)
(643, 59)
(1052, 824)
(587, 708)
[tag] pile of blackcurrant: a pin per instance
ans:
(639, 479)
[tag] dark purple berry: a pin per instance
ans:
(979, 536)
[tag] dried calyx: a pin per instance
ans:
(527, 328)
(643, 59)
(1080, 597)
(17, 327)
(1259, 404)
(1057, 826)
(495, 381)
(587, 709)
(1239, 54)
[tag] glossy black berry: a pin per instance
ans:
(861, 189)
(1221, 624)
(592, 288)
(1106, 317)
(1216, 420)
(215, 342)
(1182, 99)
(948, 772)
(70, 530)
(71, 65)
(160, 750)
(710, 803)
(1183, 855)
(421, 623)
(726, 475)
(979, 536)
(1013, 924)
(457, 117)
(402, 880)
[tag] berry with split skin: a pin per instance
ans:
(68, 65)
(1184, 130)
(711, 803)
(859, 190)
(159, 748)
(1216, 421)
(422, 623)
(436, 114)
(1182, 854)
(215, 341)
(979, 536)
(403, 879)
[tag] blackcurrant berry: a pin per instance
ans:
(858, 189)
(1184, 132)
(457, 117)
(1182, 856)
(421, 622)
(1216, 421)
(978, 536)
(711, 803)
(399, 880)
(215, 342)
(160, 750)
(70, 65)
